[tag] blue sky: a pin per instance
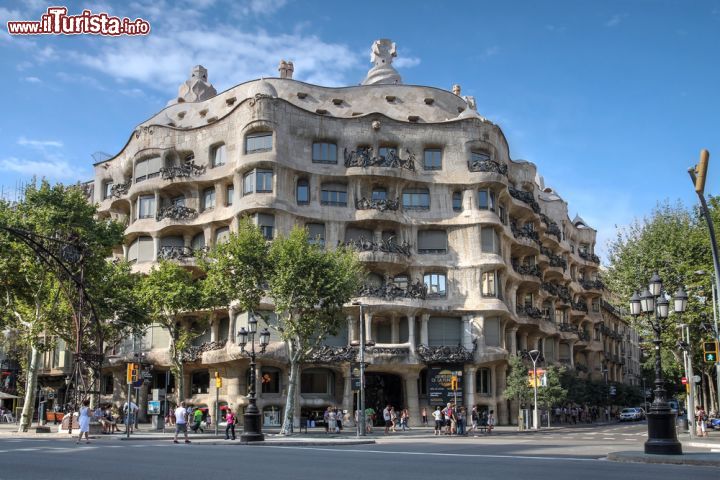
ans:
(612, 100)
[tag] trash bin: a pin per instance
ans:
(682, 423)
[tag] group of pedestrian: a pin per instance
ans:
(574, 414)
(453, 420)
(333, 418)
(395, 418)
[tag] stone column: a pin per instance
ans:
(347, 400)
(352, 330)
(214, 328)
(503, 415)
(220, 195)
(232, 316)
(156, 246)
(125, 251)
(394, 329)
(412, 397)
(513, 341)
(411, 333)
(368, 327)
(466, 334)
(424, 328)
(469, 383)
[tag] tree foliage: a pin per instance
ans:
(517, 385)
(553, 393)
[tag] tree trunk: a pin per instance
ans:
(292, 388)
(30, 388)
(713, 405)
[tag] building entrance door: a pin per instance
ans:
(382, 389)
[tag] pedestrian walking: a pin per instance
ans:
(369, 419)
(424, 416)
(339, 419)
(404, 417)
(130, 411)
(474, 418)
(393, 418)
(387, 418)
(438, 417)
(181, 415)
(491, 421)
(230, 426)
(197, 420)
(84, 421)
(460, 421)
(701, 417)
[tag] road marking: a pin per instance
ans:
(476, 455)
(608, 438)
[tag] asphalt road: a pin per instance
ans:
(575, 454)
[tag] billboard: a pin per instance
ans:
(440, 382)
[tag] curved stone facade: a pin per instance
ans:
(470, 257)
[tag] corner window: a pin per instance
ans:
(486, 199)
(229, 194)
(457, 201)
(107, 189)
(258, 181)
(316, 233)
(302, 194)
(432, 241)
(489, 240)
(416, 199)
(148, 168)
(146, 206)
(323, 152)
(334, 194)
(432, 159)
(502, 213)
(208, 199)
(267, 224)
(491, 284)
(258, 142)
(217, 155)
(596, 305)
(435, 283)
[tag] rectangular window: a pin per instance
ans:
(208, 198)
(145, 249)
(249, 182)
(107, 189)
(270, 380)
(218, 155)
(502, 213)
(200, 382)
(315, 382)
(316, 233)
(146, 206)
(457, 201)
(596, 305)
(323, 152)
(263, 181)
(444, 331)
(416, 199)
(334, 194)
(489, 283)
(303, 191)
(486, 199)
(432, 241)
(435, 283)
(483, 381)
(148, 168)
(379, 194)
(433, 159)
(229, 194)
(222, 235)
(479, 157)
(491, 329)
(258, 142)
(489, 240)
(107, 384)
(267, 225)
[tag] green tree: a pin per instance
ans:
(518, 388)
(309, 286)
(553, 393)
(38, 299)
(168, 293)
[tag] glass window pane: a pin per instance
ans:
(264, 181)
(457, 201)
(249, 182)
(146, 206)
(379, 194)
(258, 142)
(324, 152)
(219, 156)
(209, 198)
(433, 159)
(229, 195)
(303, 191)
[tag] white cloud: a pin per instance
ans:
(265, 7)
(79, 79)
(406, 62)
(615, 20)
(32, 80)
(491, 51)
(38, 143)
(54, 170)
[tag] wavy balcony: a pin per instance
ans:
(525, 197)
(364, 158)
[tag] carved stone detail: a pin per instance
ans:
(382, 53)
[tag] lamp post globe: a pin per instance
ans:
(655, 285)
(635, 309)
(680, 300)
(663, 307)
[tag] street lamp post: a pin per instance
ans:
(684, 345)
(662, 437)
(534, 356)
(361, 397)
(252, 427)
(713, 288)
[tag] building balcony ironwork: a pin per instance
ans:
(445, 354)
(529, 311)
(532, 270)
(176, 212)
(386, 245)
(186, 170)
(119, 189)
(487, 166)
(579, 306)
(193, 353)
(364, 158)
(526, 231)
(390, 291)
(327, 354)
(380, 205)
(592, 284)
(179, 253)
(568, 327)
(555, 260)
(552, 227)
(525, 197)
(590, 257)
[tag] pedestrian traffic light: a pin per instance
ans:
(454, 383)
(132, 372)
(710, 352)
(701, 173)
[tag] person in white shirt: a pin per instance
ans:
(438, 417)
(130, 414)
(181, 422)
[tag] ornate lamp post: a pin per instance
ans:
(252, 427)
(662, 438)
(534, 357)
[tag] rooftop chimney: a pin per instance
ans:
(456, 89)
(286, 69)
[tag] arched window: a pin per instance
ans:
(302, 192)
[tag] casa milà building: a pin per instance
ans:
(470, 257)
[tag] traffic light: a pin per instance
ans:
(701, 173)
(133, 370)
(454, 383)
(710, 352)
(218, 380)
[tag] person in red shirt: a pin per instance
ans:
(230, 427)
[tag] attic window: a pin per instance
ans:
(429, 101)
(230, 101)
(212, 119)
(181, 100)
(355, 114)
(390, 98)
(203, 112)
(461, 109)
(321, 111)
(337, 101)
(413, 118)
(171, 124)
(301, 94)
(181, 115)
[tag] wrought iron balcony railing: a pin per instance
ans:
(363, 157)
(179, 253)
(525, 197)
(391, 291)
(489, 166)
(532, 270)
(186, 170)
(552, 227)
(176, 212)
(529, 310)
(119, 189)
(592, 284)
(580, 306)
(590, 257)
(445, 354)
(380, 205)
(526, 231)
(387, 245)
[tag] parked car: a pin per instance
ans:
(642, 412)
(630, 414)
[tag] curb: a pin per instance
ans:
(695, 459)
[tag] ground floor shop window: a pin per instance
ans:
(272, 416)
(317, 382)
(200, 382)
